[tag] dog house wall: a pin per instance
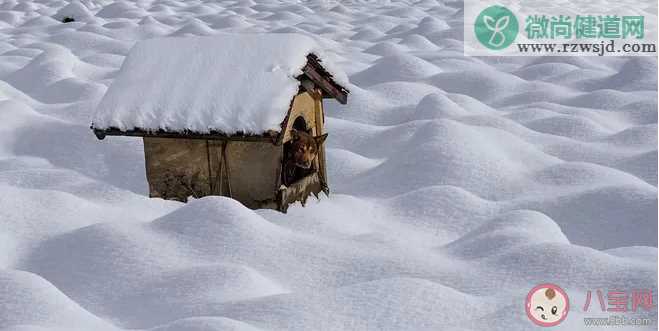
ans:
(177, 168)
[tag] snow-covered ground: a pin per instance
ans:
(459, 183)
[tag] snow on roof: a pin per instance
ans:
(226, 83)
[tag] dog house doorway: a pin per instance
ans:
(294, 174)
(300, 124)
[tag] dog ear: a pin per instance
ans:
(320, 139)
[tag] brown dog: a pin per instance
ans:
(300, 154)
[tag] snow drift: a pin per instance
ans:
(459, 182)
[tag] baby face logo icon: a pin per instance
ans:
(547, 305)
(496, 27)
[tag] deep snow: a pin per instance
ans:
(458, 183)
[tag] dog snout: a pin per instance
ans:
(305, 165)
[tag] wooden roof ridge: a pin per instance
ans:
(323, 79)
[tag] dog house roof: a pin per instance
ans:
(231, 83)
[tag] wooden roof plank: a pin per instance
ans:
(101, 133)
(314, 71)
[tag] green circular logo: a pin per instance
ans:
(496, 27)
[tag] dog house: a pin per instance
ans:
(216, 114)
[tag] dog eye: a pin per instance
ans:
(554, 309)
(539, 307)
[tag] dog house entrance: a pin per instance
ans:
(300, 124)
(291, 172)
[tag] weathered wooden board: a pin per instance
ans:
(314, 71)
(320, 129)
(254, 172)
(303, 105)
(248, 171)
(299, 191)
(176, 168)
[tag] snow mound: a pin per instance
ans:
(230, 21)
(461, 209)
(437, 105)
(360, 307)
(121, 9)
(418, 42)
(457, 183)
(11, 18)
(638, 136)
(136, 275)
(605, 217)
(490, 84)
(639, 73)
(29, 299)
(439, 149)
(230, 223)
(569, 126)
(515, 228)
(638, 165)
(367, 33)
(386, 48)
(206, 324)
(396, 67)
(195, 27)
(544, 70)
(75, 10)
(429, 25)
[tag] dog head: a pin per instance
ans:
(304, 148)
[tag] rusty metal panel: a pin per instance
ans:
(177, 168)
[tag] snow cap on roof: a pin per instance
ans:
(229, 83)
